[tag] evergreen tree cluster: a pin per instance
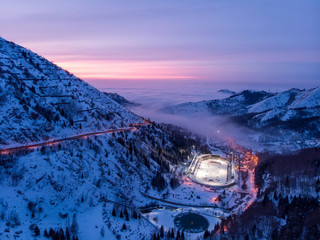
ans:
(158, 181)
(263, 218)
(122, 212)
(59, 234)
(170, 234)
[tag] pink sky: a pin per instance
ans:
(225, 41)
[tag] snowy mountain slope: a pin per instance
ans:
(40, 101)
(78, 176)
(233, 104)
(43, 188)
(291, 109)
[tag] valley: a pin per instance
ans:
(75, 163)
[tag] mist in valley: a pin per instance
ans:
(154, 96)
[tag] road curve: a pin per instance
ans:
(133, 127)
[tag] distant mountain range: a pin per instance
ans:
(294, 109)
(121, 100)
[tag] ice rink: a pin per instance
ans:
(211, 171)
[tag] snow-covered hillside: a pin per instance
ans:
(75, 164)
(293, 109)
(40, 101)
(72, 186)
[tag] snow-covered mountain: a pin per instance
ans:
(76, 182)
(293, 109)
(41, 101)
(74, 163)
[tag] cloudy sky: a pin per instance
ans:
(214, 40)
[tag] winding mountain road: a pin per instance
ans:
(133, 127)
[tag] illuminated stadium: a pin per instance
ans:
(212, 171)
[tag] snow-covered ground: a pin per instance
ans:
(73, 178)
(92, 225)
(136, 228)
(77, 183)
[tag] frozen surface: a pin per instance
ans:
(211, 171)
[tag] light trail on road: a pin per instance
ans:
(133, 127)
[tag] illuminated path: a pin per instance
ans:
(85, 135)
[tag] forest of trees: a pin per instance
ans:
(276, 214)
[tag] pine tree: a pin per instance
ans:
(161, 232)
(168, 234)
(254, 227)
(222, 229)
(46, 234)
(182, 235)
(265, 199)
(51, 233)
(206, 234)
(56, 236)
(74, 226)
(172, 233)
(61, 234)
(178, 234)
(154, 237)
(275, 197)
(36, 231)
(134, 214)
(121, 214)
(126, 212)
(114, 212)
(216, 228)
(67, 234)
(43, 150)
(124, 227)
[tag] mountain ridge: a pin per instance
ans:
(37, 95)
(259, 108)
